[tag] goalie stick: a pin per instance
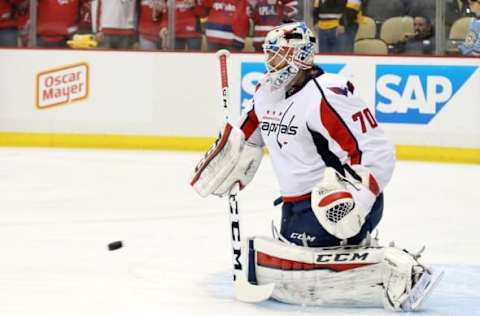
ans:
(244, 291)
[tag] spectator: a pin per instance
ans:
(21, 19)
(58, 21)
(149, 24)
(471, 46)
(425, 8)
(117, 23)
(456, 9)
(338, 24)
(422, 41)
(8, 23)
(380, 10)
(227, 24)
(267, 14)
(187, 24)
(300, 10)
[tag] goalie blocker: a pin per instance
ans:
(230, 160)
(347, 275)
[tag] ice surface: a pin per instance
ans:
(59, 209)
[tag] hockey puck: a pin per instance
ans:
(115, 245)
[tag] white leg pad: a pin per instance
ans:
(346, 275)
(320, 287)
(317, 276)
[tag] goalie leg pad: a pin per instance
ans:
(348, 275)
(228, 161)
(316, 276)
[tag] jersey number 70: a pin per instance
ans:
(361, 116)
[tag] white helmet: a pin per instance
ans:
(288, 48)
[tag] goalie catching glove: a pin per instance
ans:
(230, 160)
(341, 204)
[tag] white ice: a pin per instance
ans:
(60, 208)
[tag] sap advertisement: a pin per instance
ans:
(418, 101)
(415, 94)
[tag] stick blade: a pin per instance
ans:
(246, 292)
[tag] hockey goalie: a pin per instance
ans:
(332, 162)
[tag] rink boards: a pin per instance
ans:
(430, 107)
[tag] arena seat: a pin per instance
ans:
(366, 29)
(393, 29)
(370, 46)
(457, 34)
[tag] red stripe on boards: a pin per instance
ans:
(339, 132)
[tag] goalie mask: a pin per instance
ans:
(288, 48)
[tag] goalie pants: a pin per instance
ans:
(298, 218)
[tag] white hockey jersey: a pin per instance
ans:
(323, 124)
(117, 16)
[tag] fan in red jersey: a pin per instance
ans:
(8, 22)
(227, 24)
(267, 14)
(59, 20)
(187, 28)
(149, 24)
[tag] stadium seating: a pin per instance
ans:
(366, 29)
(393, 29)
(370, 46)
(457, 34)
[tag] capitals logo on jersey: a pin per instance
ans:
(415, 94)
(253, 72)
(280, 124)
